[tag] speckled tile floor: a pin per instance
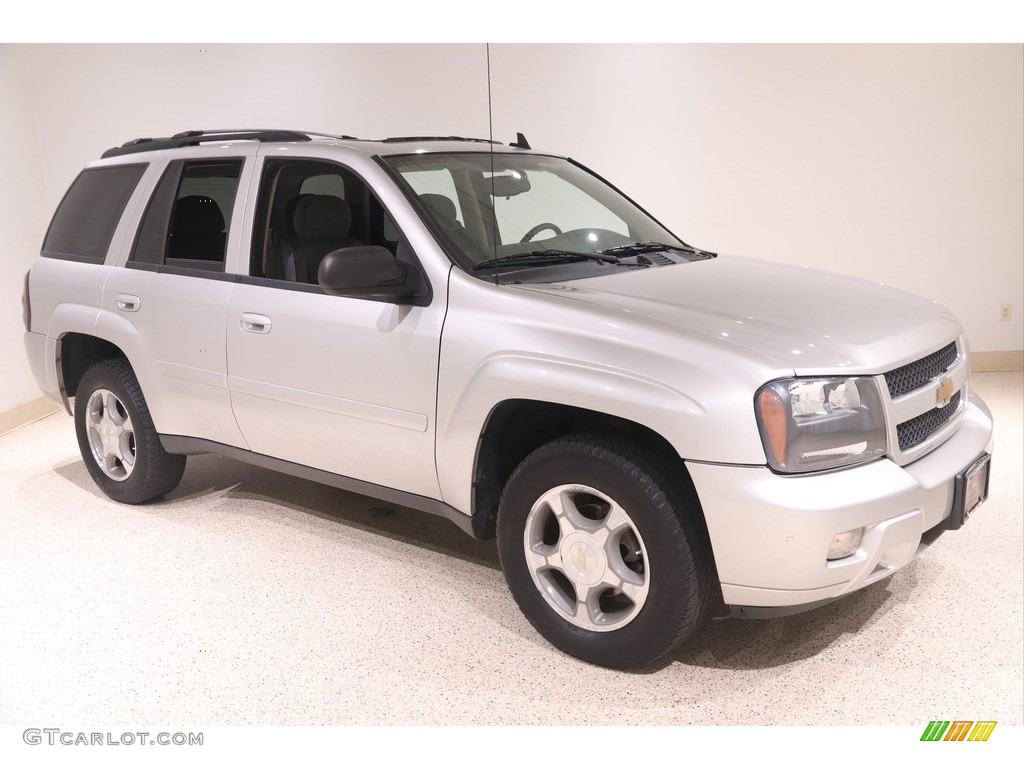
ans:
(248, 597)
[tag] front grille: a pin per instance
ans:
(915, 375)
(918, 429)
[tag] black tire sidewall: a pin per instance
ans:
(676, 598)
(150, 459)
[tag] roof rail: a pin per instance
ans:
(194, 138)
(392, 139)
(274, 131)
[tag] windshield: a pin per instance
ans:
(508, 210)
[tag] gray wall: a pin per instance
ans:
(901, 164)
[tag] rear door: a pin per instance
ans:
(168, 308)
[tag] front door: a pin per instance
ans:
(340, 384)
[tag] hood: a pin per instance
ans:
(810, 321)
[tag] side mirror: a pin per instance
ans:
(365, 271)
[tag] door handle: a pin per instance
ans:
(254, 323)
(126, 302)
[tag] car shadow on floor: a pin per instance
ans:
(752, 644)
(208, 477)
(721, 643)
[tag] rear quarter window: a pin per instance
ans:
(86, 218)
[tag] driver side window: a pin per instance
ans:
(306, 210)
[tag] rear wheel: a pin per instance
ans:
(116, 436)
(600, 553)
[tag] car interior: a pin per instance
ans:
(308, 209)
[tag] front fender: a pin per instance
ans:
(683, 420)
(507, 343)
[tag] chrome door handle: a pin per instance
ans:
(128, 303)
(254, 323)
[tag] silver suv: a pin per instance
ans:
(499, 336)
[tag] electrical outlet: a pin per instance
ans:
(1006, 312)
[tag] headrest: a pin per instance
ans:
(318, 217)
(197, 214)
(440, 205)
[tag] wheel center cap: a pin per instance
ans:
(582, 559)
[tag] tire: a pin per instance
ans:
(116, 436)
(600, 553)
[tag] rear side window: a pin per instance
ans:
(86, 218)
(186, 223)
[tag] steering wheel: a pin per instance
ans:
(540, 228)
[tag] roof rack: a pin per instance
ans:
(393, 139)
(194, 138)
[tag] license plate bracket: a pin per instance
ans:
(970, 490)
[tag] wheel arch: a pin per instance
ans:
(698, 418)
(75, 354)
(515, 428)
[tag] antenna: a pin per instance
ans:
(490, 135)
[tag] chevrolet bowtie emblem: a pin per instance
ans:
(944, 393)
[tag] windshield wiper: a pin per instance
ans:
(651, 247)
(552, 256)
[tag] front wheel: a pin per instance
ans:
(600, 553)
(116, 436)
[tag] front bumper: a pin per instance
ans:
(770, 533)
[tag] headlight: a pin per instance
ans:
(814, 424)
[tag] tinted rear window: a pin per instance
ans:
(87, 216)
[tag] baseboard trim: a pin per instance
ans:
(1012, 360)
(26, 413)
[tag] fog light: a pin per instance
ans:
(844, 544)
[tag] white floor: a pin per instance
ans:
(248, 597)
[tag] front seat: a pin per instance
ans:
(320, 224)
(442, 209)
